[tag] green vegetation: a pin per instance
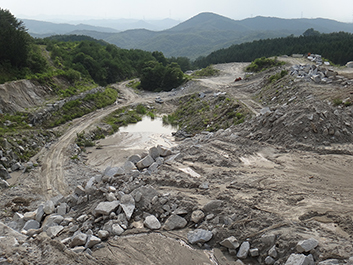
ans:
(261, 64)
(275, 77)
(13, 123)
(78, 108)
(336, 46)
(208, 71)
(211, 114)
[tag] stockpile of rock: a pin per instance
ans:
(120, 202)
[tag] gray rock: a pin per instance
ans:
(92, 241)
(31, 224)
(4, 184)
(117, 230)
(153, 168)
(111, 197)
(331, 262)
(268, 240)
(129, 166)
(204, 186)
(40, 213)
(49, 207)
(230, 242)
(78, 249)
(105, 208)
(164, 151)
(16, 166)
(254, 252)
(297, 259)
(199, 236)
(62, 209)
(159, 160)
(52, 220)
(153, 152)
(307, 245)
(53, 231)
(147, 194)
(174, 222)
(212, 206)
(127, 202)
(80, 191)
(151, 222)
(145, 162)
(29, 216)
(103, 234)
(244, 250)
(134, 158)
(273, 252)
(269, 260)
(90, 188)
(82, 218)
(114, 171)
(3, 173)
(78, 240)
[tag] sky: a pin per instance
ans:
(341, 10)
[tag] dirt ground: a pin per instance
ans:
(272, 178)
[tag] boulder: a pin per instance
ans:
(199, 236)
(153, 152)
(78, 240)
(230, 243)
(127, 202)
(52, 220)
(145, 162)
(53, 231)
(80, 191)
(3, 173)
(117, 230)
(298, 259)
(92, 241)
(103, 234)
(153, 168)
(243, 250)
(306, 245)
(40, 213)
(129, 166)
(62, 209)
(31, 224)
(213, 206)
(4, 184)
(164, 151)
(174, 222)
(105, 208)
(134, 158)
(151, 222)
(49, 207)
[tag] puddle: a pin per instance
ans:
(132, 139)
(148, 125)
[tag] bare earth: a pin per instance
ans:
(295, 189)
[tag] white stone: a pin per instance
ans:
(53, 231)
(199, 236)
(297, 259)
(151, 222)
(230, 242)
(307, 245)
(127, 202)
(105, 208)
(145, 162)
(103, 234)
(117, 230)
(49, 207)
(164, 151)
(153, 152)
(78, 240)
(92, 241)
(244, 250)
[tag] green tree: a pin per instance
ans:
(14, 41)
(173, 77)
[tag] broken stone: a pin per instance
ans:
(80, 191)
(61, 209)
(92, 241)
(111, 197)
(151, 222)
(254, 252)
(53, 231)
(134, 158)
(306, 245)
(105, 208)
(31, 224)
(78, 249)
(103, 234)
(244, 250)
(164, 151)
(29, 216)
(199, 236)
(3, 173)
(127, 202)
(117, 230)
(129, 166)
(212, 206)
(174, 222)
(230, 242)
(269, 260)
(78, 240)
(273, 252)
(145, 162)
(153, 152)
(82, 218)
(159, 160)
(298, 259)
(332, 262)
(153, 168)
(49, 207)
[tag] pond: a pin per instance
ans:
(136, 138)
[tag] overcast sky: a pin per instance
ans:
(341, 10)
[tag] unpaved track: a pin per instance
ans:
(52, 177)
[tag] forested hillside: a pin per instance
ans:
(335, 46)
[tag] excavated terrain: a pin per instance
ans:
(277, 183)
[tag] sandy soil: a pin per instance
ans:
(291, 192)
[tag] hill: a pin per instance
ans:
(201, 34)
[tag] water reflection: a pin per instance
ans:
(149, 125)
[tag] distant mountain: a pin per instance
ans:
(44, 29)
(207, 32)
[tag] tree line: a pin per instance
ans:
(337, 47)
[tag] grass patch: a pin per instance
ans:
(275, 77)
(261, 64)
(208, 71)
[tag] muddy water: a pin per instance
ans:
(129, 140)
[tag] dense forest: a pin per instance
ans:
(77, 57)
(337, 47)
